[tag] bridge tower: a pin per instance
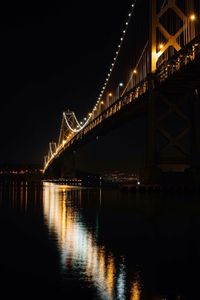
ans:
(173, 110)
(172, 27)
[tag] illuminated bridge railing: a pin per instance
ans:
(186, 55)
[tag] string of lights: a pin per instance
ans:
(81, 125)
(99, 101)
(117, 52)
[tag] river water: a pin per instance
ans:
(76, 243)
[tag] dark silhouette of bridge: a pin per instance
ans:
(164, 85)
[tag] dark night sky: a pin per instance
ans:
(52, 58)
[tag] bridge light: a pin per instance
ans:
(121, 84)
(102, 103)
(135, 71)
(192, 17)
(160, 46)
(110, 94)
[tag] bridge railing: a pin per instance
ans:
(179, 60)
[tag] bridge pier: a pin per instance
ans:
(173, 136)
(195, 165)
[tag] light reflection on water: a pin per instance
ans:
(124, 246)
(79, 248)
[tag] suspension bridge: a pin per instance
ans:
(163, 82)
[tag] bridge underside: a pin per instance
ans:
(66, 162)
